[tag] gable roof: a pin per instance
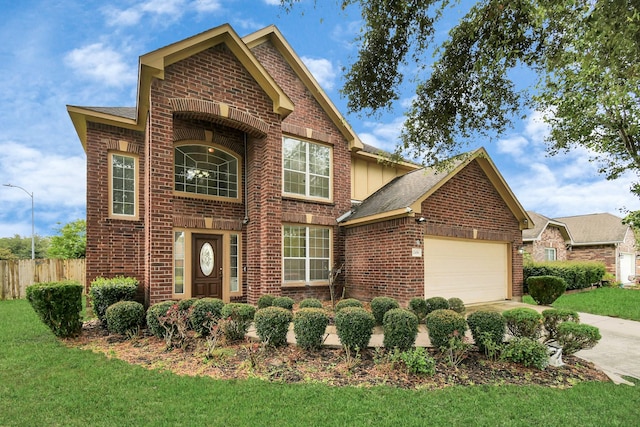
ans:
(540, 223)
(152, 65)
(595, 229)
(404, 195)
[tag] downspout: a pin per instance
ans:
(245, 221)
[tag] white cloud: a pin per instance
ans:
(102, 63)
(207, 5)
(272, 2)
(122, 18)
(385, 136)
(513, 146)
(323, 70)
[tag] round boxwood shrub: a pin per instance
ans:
(104, 292)
(153, 317)
(265, 301)
(418, 306)
(487, 327)
(272, 325)
(58, 304)
(284, 302)
(238, 317)
(309, 326)
(526, 351)
(436, 303)
(400, 329)
(185, 304)
(380, 305)
(310, 303)
(444, 324)
(574, 337)
(354, 326)
(553, 317)
(205, 312)
(124, 317)
(523, 322)
(348, 302)
(546, 289)
(456, 305)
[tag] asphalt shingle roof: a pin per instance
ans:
(595, 228)
(125, 112)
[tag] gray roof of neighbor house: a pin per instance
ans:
(592, 229)
(540, 223)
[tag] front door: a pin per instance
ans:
(207, 266)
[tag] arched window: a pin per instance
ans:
(207, 170)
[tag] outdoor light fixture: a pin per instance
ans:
(33, 246)
(421, 220)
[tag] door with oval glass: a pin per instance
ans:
(206, 266)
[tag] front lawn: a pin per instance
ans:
(43, 382)
(615, 302)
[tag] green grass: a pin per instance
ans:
(42, 382)
(615, 302)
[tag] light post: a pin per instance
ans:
(33, 233)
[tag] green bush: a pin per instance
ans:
(283, 302)
(154, 313)
(241, 316)
(418, 306)
(417, 361)
(400, 328)
(354, 326)
(444, 324)
(546, 289)
(348, 302)
(309, 326)
(265, 301)
(523, 322)
(456, 305)
(554, 316)
(204, 312)
(526, 351)
(185, 304)
(104, 292)
(272, 325)
(574, 337)
(58, 304)
(124, 317)
(380, 305)
(487, 328)
(436, 303)
(310, 303)
(577, 274)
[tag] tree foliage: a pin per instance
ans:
(18, 247)
(70, 242)
(584, 52)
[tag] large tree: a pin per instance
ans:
(70, 242)
(584, 52)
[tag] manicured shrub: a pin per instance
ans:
(240, 317)
(265, 301)
(205, 312)
(400, 328)
(154, 313)
(487, 328)
(417, 361)
(348, 302)
(58, 304)
(283, 302)
(456, 305)
(546, 289)
(443, 325)
(185, 304)
(124, 317)
(526, 351)
(577, 274)
(523, 322)
(309, 326)
(354, 326)
(380, 305)
(553, 317)
(310, 303)
(574, 337)
(104, 292)
(418, 306)
(272, 325)
(436, 303)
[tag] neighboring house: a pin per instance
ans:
(229, 176)
(594, 237)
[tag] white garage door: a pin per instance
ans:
(470, 270)
(627, 267)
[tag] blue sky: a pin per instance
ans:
(81, 52)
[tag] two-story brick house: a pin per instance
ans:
(229, 177)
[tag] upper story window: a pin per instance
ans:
(549, 254)
(307, 168)
(123, 188)
(206, 170)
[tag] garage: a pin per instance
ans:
(474, 271)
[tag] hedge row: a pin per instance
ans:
(578, 275)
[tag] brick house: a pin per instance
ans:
(229, 175)
(548, 240)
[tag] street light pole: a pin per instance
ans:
(33, 227)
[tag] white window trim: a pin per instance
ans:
(136, 185)
(553, 251)
(307, 281)
(308, 174)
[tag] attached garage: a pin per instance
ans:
(471, 270)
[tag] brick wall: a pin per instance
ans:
(602, 253)
(551, 238)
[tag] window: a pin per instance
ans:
(178, 262)
(207, 170)
(549, 254)
(235, 256)
(307, 170)
(307, 252)
(123, 185)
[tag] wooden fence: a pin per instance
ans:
(17, 275)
